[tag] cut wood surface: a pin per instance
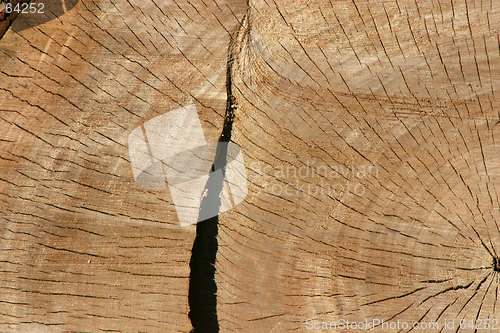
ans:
(408, 88)
(83, 248)
(369, 132)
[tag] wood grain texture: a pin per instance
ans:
(396, 98)
(83, 248)
(408, 87)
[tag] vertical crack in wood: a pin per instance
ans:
(202, 286)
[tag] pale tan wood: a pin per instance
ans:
(83, 248)
(407, 86)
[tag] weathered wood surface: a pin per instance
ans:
(405, 87)
(82, 247)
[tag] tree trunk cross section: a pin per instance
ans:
(369, 132)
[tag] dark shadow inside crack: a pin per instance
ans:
(202, 286)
